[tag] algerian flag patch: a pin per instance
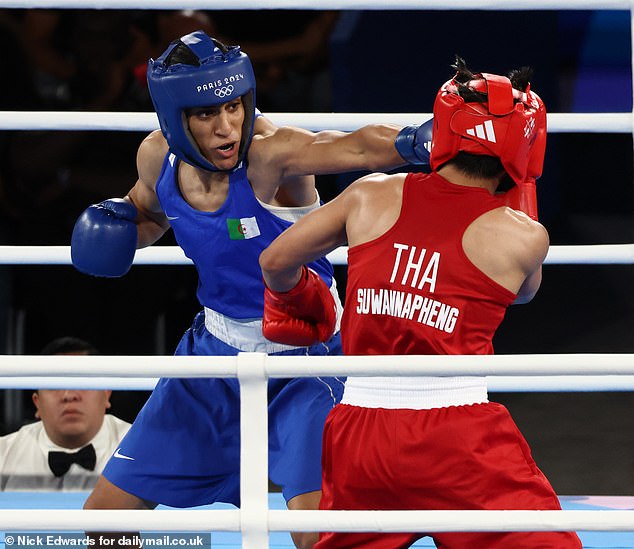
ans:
(243, 228)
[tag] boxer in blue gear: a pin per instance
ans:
(227, 181)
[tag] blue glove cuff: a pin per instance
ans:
(405, 142)
(121, 208)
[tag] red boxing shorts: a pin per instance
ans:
(459, 457)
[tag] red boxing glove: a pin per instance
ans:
(303, 316)
(523, 197)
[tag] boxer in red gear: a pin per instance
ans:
(434, 261)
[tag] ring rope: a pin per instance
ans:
(495, 384)
(313, 366)
(598, 254)
(140, 121)
(28, 520)
(326, 4)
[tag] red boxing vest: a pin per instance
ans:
(413, 290)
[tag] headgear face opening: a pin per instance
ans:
(510, 125)
(218, 78)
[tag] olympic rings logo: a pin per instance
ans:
(224, 91)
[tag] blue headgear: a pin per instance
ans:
(222, 74)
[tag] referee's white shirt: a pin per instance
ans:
(24, 458)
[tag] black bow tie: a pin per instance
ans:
(60, 462)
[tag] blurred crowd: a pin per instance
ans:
(95, 60)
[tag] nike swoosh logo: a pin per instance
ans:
(119, 455)
(170, 218)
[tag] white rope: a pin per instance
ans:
(29, 520)
(459, 365)
(599, 254)
(118, 366)
(495, 384)
(595, 254)
(137, 121)
(313, 366)
(451, 521)
(75, 382)
(571, 383)
(325, 4)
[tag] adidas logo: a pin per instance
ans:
(483, 131)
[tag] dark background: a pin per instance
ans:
(355, 61)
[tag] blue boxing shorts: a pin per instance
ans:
(183, 449)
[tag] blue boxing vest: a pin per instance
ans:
(225, 245)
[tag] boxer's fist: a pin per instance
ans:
(104, 238)
(523, 197)
(413, 143)
(303, 316)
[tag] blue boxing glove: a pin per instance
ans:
(104, 238)
(413, 143)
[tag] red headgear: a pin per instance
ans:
(510, 125)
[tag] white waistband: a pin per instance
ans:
(246, 335)
(415, 393)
